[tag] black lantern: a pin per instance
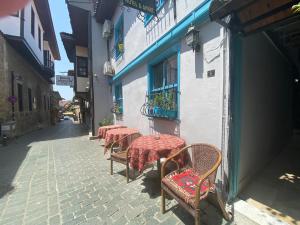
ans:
(192, 38)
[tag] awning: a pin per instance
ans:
(248, 16)
(69, 43)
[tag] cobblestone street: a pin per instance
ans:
(57, 176)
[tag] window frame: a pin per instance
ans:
(78, 66)
(32, 23)
(39, 37)
(149, 17)
(29, 91)
(171, 52)
(119, 96)
(119, 25)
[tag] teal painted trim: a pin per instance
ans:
(175, 50)
(236, 117)
(178, 82)
(199, 15)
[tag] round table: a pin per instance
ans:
(102, 130)
(117, 134)
(151, 148)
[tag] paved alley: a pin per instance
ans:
(57, 176)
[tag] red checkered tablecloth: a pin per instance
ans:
(149, 149)
(117, 134)
(102, 130)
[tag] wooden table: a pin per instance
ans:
(102, 130)
(151, 148)
(117, 134)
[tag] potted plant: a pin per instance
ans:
(171, 111)
(158, 104)
(121, 47)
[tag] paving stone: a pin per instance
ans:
(63, 178)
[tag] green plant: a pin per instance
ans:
(296, 8)
(158, 100)
(106, 122)
(170, 102)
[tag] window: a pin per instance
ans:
(118, 106)
(29, 100)
(119, 38)
(20, 97)
(163, 93)
(32, 22)
(82, 66)
(40, 38)
(159, 5)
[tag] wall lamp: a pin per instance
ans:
(192, 38)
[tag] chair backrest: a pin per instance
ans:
(204, 158)
(127, 141)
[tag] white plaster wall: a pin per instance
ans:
(102, 89)
(200, 109)
(10, 25)
(138, 37)
(33, 41)
(266, 106)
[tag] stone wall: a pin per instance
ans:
(28, 77)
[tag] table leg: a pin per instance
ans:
(159, 168)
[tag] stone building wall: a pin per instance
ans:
(28, 77)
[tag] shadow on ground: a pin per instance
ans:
(13, 155)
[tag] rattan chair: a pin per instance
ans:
(120, 153)
(193, 183)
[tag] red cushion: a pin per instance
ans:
(184, 185)
(188, 180)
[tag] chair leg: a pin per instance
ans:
(127, 172)
(197, 217)
(226, 215)
(163, 201)
(111, 167)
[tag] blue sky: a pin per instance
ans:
(61, 21)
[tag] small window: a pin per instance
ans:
(40, 38)
(119, 37)
(32, 22)
(20, 97)
(118, 106)
(82, 66)
(29, 100)
(148, 17)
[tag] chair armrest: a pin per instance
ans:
(171, 158)
(204, 177)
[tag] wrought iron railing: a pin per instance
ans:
(161, 104)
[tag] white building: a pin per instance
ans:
(28, 51)
(233, 90)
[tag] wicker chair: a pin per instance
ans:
(120, 153)
(192, 184)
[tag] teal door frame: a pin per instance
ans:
(235, 108)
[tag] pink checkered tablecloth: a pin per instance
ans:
(149, 149)
(102, 130)
(117, 134)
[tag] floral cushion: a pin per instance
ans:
(184, 183)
